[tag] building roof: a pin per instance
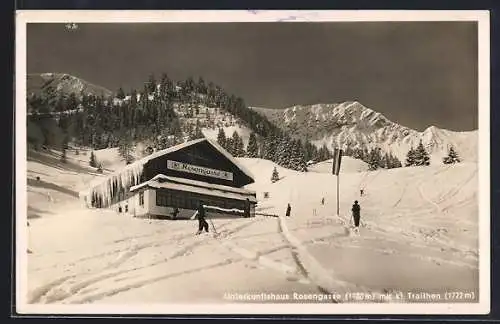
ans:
(163, 182)
(136, 167)
(161, 178)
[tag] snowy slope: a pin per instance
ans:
(243, 132)
(350, 123)
(348, 165)
(419, 231)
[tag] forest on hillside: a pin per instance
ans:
(56, 119)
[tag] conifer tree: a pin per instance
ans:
(125, 148)
(324, 153)
(201, 86)
(237, 145)
(357, 153)
(373, 159)
(275, 176)
(452, 156)
(150, 86)
(298, 161)
(308, 151)
(191, 132)
(397, 163)
(410, 157)
(421, 156)
(230, 145)
(197, 130)
(120, 94)
(165, 86)
(284, 152)
(240, 147)
(387, 161)
(221, 138)
(270, 145)
(252, 147)
(189, 85)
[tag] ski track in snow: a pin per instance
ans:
(258, 256)
(76, 287)
(463, 252)
(324, 279)
(43, 293)
(428, 233)
(144, 282)
(137, 259)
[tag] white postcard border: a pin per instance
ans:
(122, 16)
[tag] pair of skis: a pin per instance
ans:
(216, 234)
(350, 227)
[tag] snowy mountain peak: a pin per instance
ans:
(63, 83)
(339, 117)
(351, 124)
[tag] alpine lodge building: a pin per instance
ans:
(174, 181)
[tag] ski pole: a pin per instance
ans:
(213, 226)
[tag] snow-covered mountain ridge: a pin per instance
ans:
(354, 125)
(63, 83)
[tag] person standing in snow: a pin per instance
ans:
(247, 208)
(323, 200)
(175, 213)
(361, 192)
(356, 209)
(202, 223)
(288, 210)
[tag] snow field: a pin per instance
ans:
(419, 231)
(420, 234)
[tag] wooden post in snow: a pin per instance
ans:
(337, 157)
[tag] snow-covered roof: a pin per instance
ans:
(161, 178)
(219, 191)
(130, 174)
(140, 163)
(221, 150)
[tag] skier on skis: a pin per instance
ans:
(356, 213)
(202, 223)
(288, 210)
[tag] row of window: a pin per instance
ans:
(189, 200)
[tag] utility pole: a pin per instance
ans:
(338, 207)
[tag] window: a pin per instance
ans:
(162, 198)
(141, 198)
(190, 200)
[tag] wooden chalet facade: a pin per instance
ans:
(180, 177)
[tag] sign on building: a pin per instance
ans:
(195, 169)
